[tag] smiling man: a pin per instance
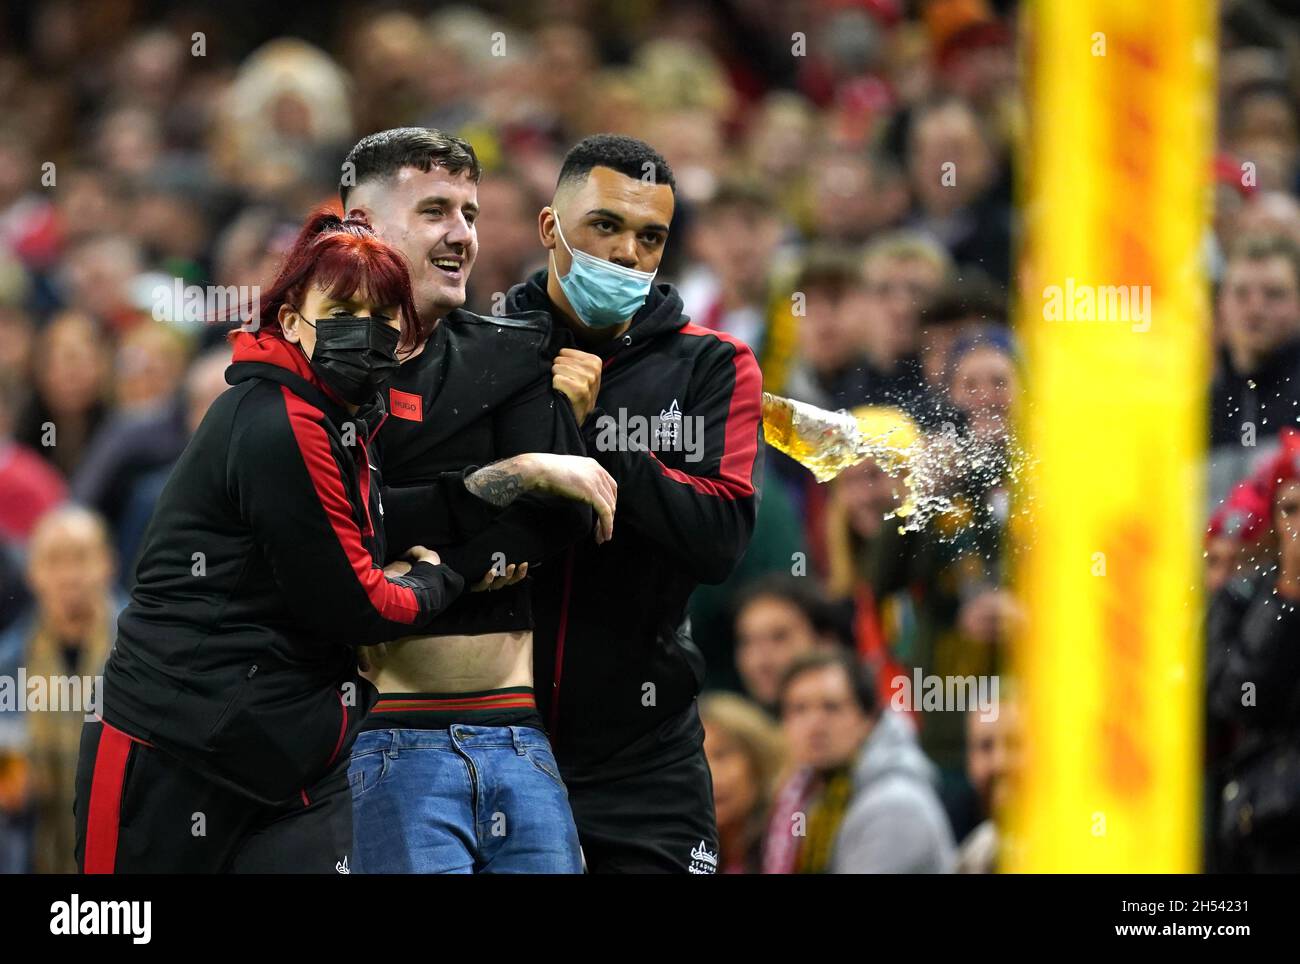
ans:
(616, 669)
(452, 772)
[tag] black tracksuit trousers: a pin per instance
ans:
(140, 811)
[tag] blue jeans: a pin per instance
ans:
(468, 799)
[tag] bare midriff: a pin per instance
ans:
(453, 664)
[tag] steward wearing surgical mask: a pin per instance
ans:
(677, 425)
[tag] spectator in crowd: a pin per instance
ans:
(204, 382)
(1234, 192)
(954, 169)
(88, 206)
(140, 437)
(284, 120)
(745, 754)
(833, 371)
(1239, 549)
(954, 569)
(855, 196)
(14, 597)
(1269, 213)
(17, 336)
(687, 98)
(961, 307)
(1221, 549)
(126, 468)
(169, 220)
(15, 814)
(779, 619)
(1260, 123)
(70, 382)
(67, 635)
(130, 141)
(733, 241)
(775, 151)
(507, 240)
(27, 224)
(978, 62)
(149, 365)
(862, 498)
(862, 797)
(985, 388)
(468, 93)
(1233, 543)
(779, 545)
(249, 251)
(992, 761)
(386, 56)
(100, 280)
(1254, 684)
(859, 339)
(1256, 388)
(29, 485)
(985, 385)
(903, 272)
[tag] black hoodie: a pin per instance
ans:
(615, 669)
(258, 578)
(1251, 649)
(1268, 397)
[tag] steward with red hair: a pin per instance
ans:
(232, 696)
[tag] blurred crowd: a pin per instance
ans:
(145, 143)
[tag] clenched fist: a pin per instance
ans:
(577, 375)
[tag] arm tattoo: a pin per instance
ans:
(496, 484)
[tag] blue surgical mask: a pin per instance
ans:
(603, 294)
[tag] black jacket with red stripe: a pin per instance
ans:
(258, 578)
(678, 425)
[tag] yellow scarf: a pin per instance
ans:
(824, 819)
(54, 740)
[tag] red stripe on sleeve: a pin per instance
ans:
(391, 601)
(740, 432)
(105, 809)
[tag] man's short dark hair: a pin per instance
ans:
(1266, 247)
(626, 155)
(829, 268)
(738, 192)
(387, 152)
(862, 685)
(973, 296)
(804, 595)
(1234, 113)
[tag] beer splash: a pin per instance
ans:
(930, 467)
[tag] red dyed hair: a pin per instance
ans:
(343, 256)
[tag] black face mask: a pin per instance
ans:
(354, 356)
